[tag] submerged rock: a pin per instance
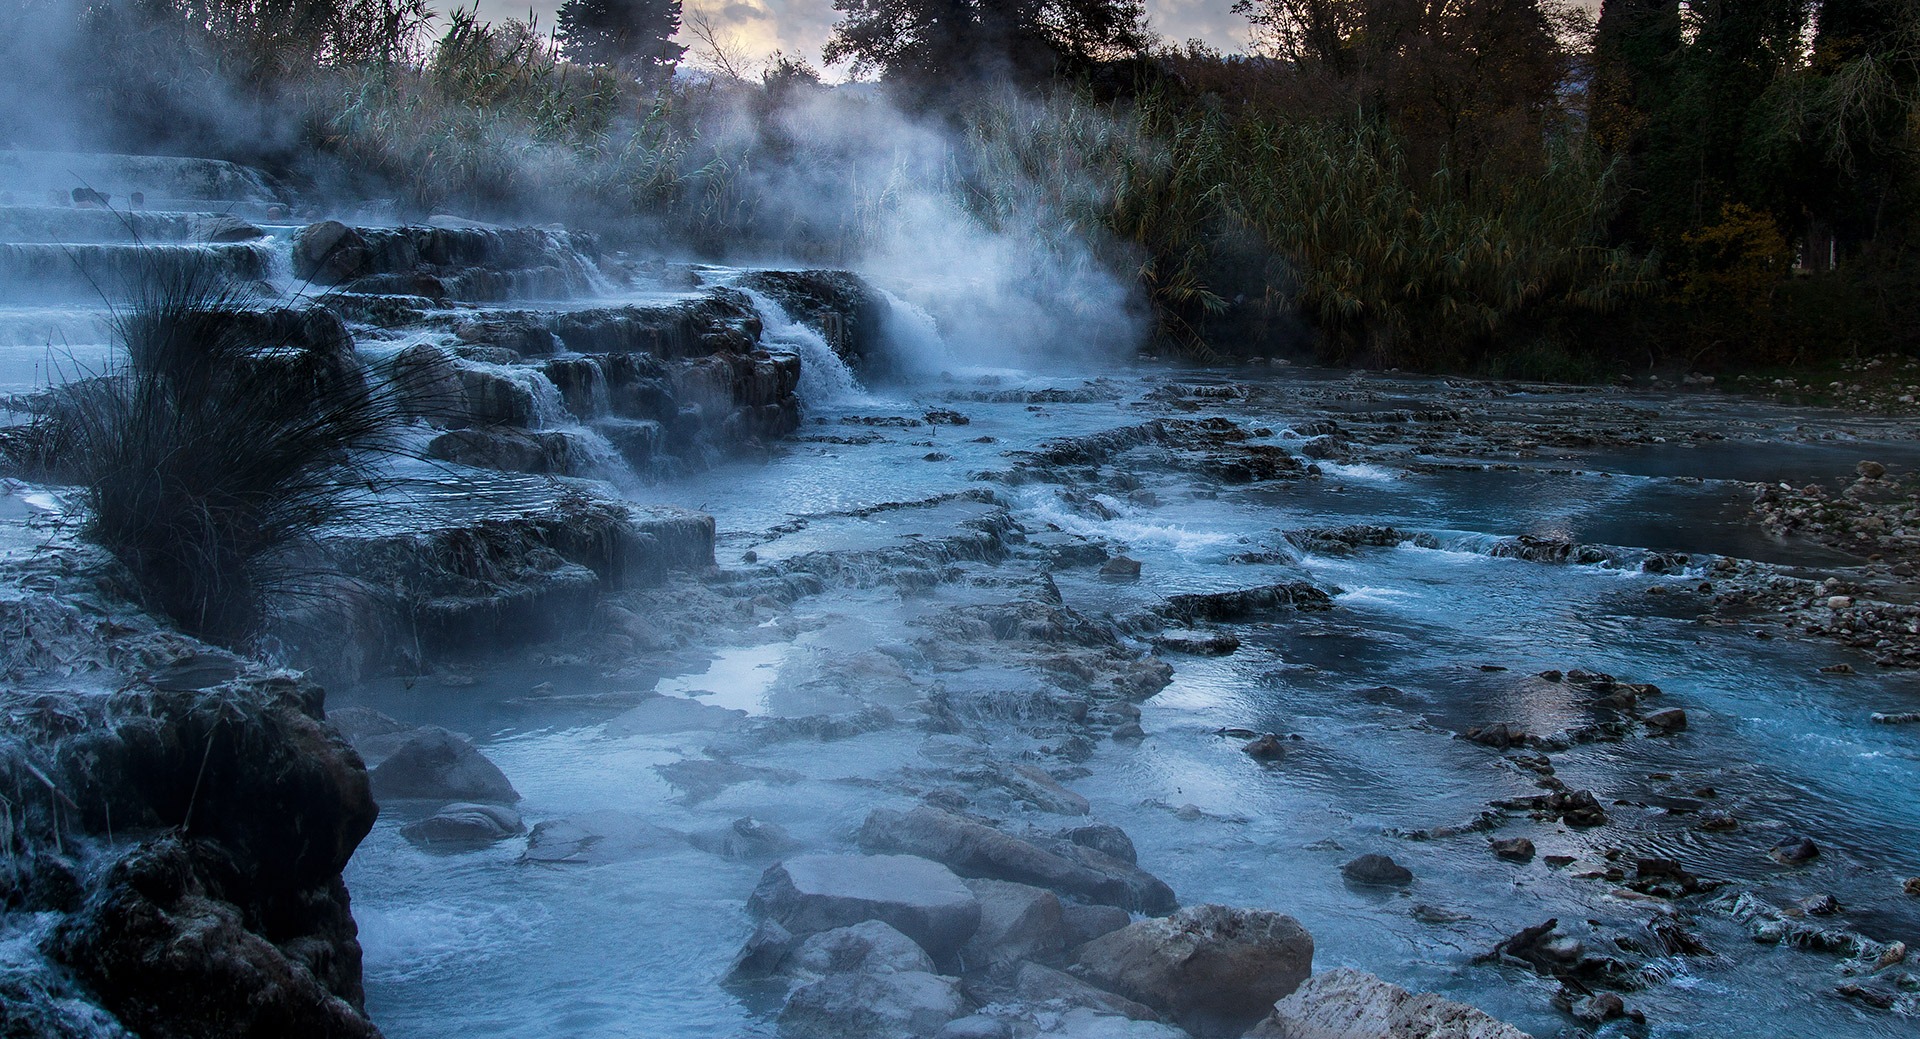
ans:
(1794, 851)
(598, 838)
(1378, 871)
(920, 898)
(466, 824)
(1213, 969)
(437, 764)
(1350, 1004)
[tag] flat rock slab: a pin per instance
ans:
(977, 850)
(437, 764)
(903, 1005)
(665, 714)
(599, 838)
(1351, 1004)
(1215, 970)
(918, 897)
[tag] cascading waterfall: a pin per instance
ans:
(824, 378)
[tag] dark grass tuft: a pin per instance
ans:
(227, 436)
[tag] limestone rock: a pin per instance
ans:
(1037, 984)
(1350, 1004)
(920, 898)
(977, 850)
(906, 1005)
(597, 838)
(437, 764)
(1017, 922)
(1377, 871)
(1083, 924)
(1215, 970)
(466, 823)
(869, 947)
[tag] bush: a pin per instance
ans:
(217, 448)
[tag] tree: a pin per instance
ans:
(634, 36)
(947, 43)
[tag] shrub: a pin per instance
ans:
(216, 448)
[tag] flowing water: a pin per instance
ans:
(483, 943)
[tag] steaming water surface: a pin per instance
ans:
(481, 943)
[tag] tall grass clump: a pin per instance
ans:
(214, 450)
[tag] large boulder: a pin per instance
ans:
(974, 849)
(901, 1005)
(439, 765)
(509, 450)
(1350, 1004)
(1215, 970)
(1017, 922)
(919, 898)
(868, 947)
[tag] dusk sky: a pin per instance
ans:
(801, 26)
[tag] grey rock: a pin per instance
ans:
(1377, 871)
(920, 898)
(1215, 970)
(437, 764)
(1104, 838)
(1350, 1004)
(1037, 984)
(466, 823)
(598, 838)
(977, 850)
(747, 838)
(1083, 924)
(909, 1005)
(1092, 1024)
(869, 947)
(976, 1026)
(1673, 719)
(765, 951)
(1017, 922)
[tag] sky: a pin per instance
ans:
(799, 27)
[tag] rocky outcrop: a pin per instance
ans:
(1213, 969)
(848, 313)
(1349, 1004)
(190, 813)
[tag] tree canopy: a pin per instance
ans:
(936, 43)
(634, 36)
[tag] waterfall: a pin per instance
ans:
(824, 377)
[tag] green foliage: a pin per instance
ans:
(944, 45)
(634, 36)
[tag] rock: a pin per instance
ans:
(1718, 822)
(1213, 969)
(1673, 719)
(1266, 748)
(437, 764)
(508, 450)
(976, 850)
(1120, 568)
(664, 714)
(1895, 717)
(1437, 915)
(1378, 871)
(1104, 838)
(1017, 922)
(598, 838)
(466, 824)
(1911, 886)
(747, 838)
(1818, 905)
(918, 897)
(330, 252)
(703, 779)
(1794, 851)
(906, 1005)
(1517, 849)
(1037, 984)
(1870, 470)
(1033, 785)
(869, 947)
(764, 953)
(1081, 924)
(976, 1026)
(1199, 643)
(1350, 1004)
(1082, 1023)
